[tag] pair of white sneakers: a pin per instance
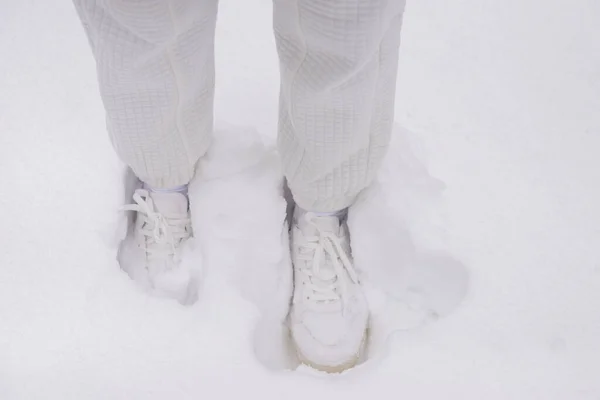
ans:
(329, 313)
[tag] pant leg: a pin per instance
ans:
(338, 62)
(155, 64)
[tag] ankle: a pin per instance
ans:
(183, 189)
(341, 214)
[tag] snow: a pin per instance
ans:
(479, 238)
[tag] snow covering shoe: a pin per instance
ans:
(151, 254)
(329, 314)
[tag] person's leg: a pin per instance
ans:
(155, 64)
(338, 79)
(338, 61)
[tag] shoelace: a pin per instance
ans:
(317, 248)
(163, 234)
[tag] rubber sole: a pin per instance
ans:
(330, 369)
(334, 369)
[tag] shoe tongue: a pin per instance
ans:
(311, 227)
(327, 224)
(324, 223)
(170, 203)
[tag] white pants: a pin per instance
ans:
(338, 61)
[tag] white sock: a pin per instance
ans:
(339, 213)
(183, 189)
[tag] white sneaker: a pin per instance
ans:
(329, 314)
(151, 253)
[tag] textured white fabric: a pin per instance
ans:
(155, 63)
(338, 60)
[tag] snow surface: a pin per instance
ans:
(479, 240)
